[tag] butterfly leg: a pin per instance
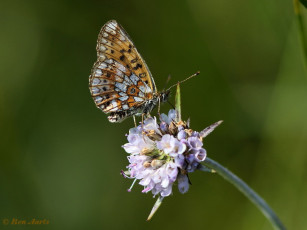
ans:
(159, 103)
(134, 121)
(142, 120)
(143, 132)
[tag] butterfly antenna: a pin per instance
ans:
(167, 81)
(195, 74)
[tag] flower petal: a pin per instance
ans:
(183, 183)
(201, 155)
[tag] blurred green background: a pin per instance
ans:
(61, 158)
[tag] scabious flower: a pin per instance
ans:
(161, 153)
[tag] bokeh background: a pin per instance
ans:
(61, 158)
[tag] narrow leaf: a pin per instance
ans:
(178, 101)
(209, 129)
(155, 207)
(205, 168)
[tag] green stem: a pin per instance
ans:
(246, 190)
(301, 28)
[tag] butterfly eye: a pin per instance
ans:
(164, 96)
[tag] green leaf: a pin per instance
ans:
(155, 207)
(178, 101)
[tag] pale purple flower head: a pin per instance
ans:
(161, 153)
(171, 145)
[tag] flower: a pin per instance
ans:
(165, 152)
(171, 145)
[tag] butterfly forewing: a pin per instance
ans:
(120, 80)
(114, 42)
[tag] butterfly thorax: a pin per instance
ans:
(157, 98)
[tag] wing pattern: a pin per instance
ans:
(120, 81)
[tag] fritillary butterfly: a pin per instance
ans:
(120, 81)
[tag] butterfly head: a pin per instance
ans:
(164, 95)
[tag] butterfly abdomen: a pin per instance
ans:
(119, 116)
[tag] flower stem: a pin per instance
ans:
(247, 191)
(301, 29)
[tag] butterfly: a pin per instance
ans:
(120, 81)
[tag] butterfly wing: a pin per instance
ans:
(120, 81)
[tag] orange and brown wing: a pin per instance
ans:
(120, 80)
(114, 42)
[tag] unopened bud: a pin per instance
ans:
(146, 151)
(157, 163)
(146, 164)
